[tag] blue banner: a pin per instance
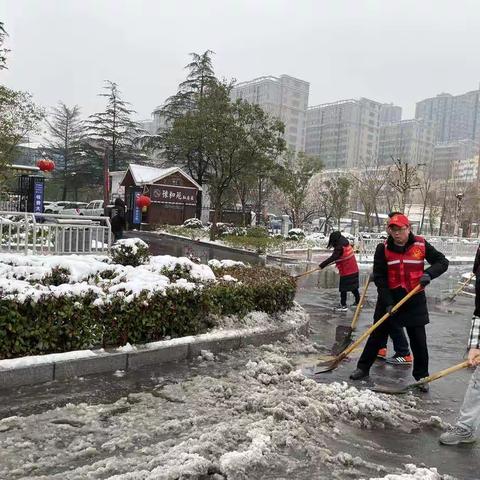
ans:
(38, 196)
(137, 211)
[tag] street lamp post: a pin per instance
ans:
(458, 209)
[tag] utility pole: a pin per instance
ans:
(106, 183)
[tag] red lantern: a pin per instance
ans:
(45, 165)
(143, 201)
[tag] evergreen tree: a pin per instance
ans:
(200, 77)
(3, 50)
(236, 137)
(114, 127)
(67, 132)
(188, 99)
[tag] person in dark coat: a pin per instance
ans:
(402, 355)
(344, 258)
(476, 271)
(398, 267)
(117, 222)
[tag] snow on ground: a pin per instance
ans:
(260, 417)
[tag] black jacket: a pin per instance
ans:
(414, 312)
(117, 222)
(476, 263)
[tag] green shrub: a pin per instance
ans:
(58, 324)
(131, 251)
(57, 276)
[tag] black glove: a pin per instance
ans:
(425, 279)
(388, 308)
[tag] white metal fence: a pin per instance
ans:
(45, 234)
(449, 246)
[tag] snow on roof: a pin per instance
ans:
(143, 175)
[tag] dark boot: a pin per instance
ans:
(358, 374)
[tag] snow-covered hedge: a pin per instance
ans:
(55, 304)
(192, 223)
(130, 251)
(296, 234)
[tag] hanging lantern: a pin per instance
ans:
(45, 165)
(143, 201)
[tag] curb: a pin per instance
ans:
(162, 352)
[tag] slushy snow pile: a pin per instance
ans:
(253, 413)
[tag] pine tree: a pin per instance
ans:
(67, 134)
(3, 50)
(200, 77)
(188, 99)
(114, 127)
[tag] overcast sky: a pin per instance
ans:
(398, 51)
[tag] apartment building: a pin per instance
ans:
(447, 153)
(284, 97)
(390, 113)
(465, 171)
(409, 140)
(344, 134)
(456, 117)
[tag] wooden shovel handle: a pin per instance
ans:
(365, 334)
(442, 373)
(464, 284)
(360, 304)
(307, 273)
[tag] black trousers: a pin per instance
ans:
(477, 296)
(343, 297)
(418, 344)
(400, 342)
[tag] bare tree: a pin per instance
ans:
(330, 197)
(404, 179)
(293, 179)
(426, 182)
(370, 182)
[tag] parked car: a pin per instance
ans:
(55, 207)
(73, 208)
(94, 209)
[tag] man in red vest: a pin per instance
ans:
(398, 267)
(346, 263)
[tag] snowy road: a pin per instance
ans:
(250, 414)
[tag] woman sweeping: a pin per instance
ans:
(344, 258)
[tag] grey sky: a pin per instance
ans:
(389, 50)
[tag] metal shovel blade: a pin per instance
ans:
(391, 389)
(324, 367)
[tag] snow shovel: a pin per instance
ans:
(343, 334)
(431, 378)
(323, 367)
(462, 286)
(307, 273)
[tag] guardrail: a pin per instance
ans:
(450, 247)
(53, 234)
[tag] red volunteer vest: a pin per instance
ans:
(347, 263)
(405, 269)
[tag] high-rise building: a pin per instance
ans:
(390, 113)
(447, 153)
(283, 97)
(409, 140)
(344, 134)
(456, 117)
(465, 171)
